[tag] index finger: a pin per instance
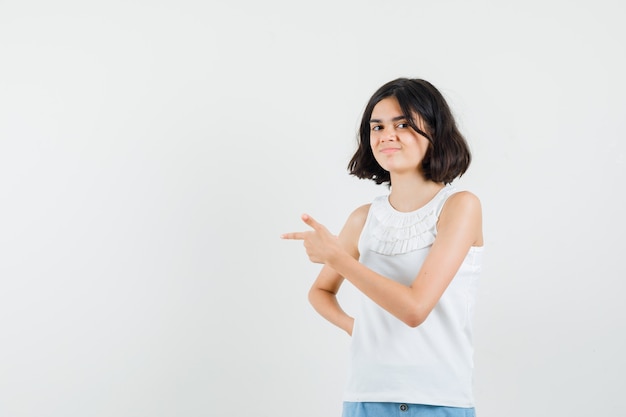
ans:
(294, 236)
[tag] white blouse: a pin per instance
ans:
(390, 361)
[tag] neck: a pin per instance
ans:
(409, 193)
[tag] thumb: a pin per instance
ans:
(311, 222)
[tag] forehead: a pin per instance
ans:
(387, 108)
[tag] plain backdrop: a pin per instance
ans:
(152, 152)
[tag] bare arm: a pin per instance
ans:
(323, 292)
(459, 228)
(323, 298)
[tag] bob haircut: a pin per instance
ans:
(448, 155)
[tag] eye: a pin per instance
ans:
(376, 128)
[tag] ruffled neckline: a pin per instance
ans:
(395, 232)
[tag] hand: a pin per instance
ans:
(321, 246)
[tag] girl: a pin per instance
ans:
(414, 255)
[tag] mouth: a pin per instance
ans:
(389, 150)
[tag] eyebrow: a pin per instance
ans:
(395, 119)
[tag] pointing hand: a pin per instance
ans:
(321, 246)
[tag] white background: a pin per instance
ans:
(151, 153)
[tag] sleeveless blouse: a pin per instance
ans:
(390, 361)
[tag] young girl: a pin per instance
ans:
(414, 255)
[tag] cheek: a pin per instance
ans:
(373, 143)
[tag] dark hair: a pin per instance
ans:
(448, 155)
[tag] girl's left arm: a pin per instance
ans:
(459, 228)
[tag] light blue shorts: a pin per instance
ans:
(403, 410)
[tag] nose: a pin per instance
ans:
(389, 135)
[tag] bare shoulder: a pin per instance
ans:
(358, 216)
(464, 202)
(356, 221)
(462, 212)
(351, 232)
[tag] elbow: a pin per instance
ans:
(413, 321)
(415, 317)
(311, 296)
(314, 296)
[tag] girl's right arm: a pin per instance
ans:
(323, 292)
